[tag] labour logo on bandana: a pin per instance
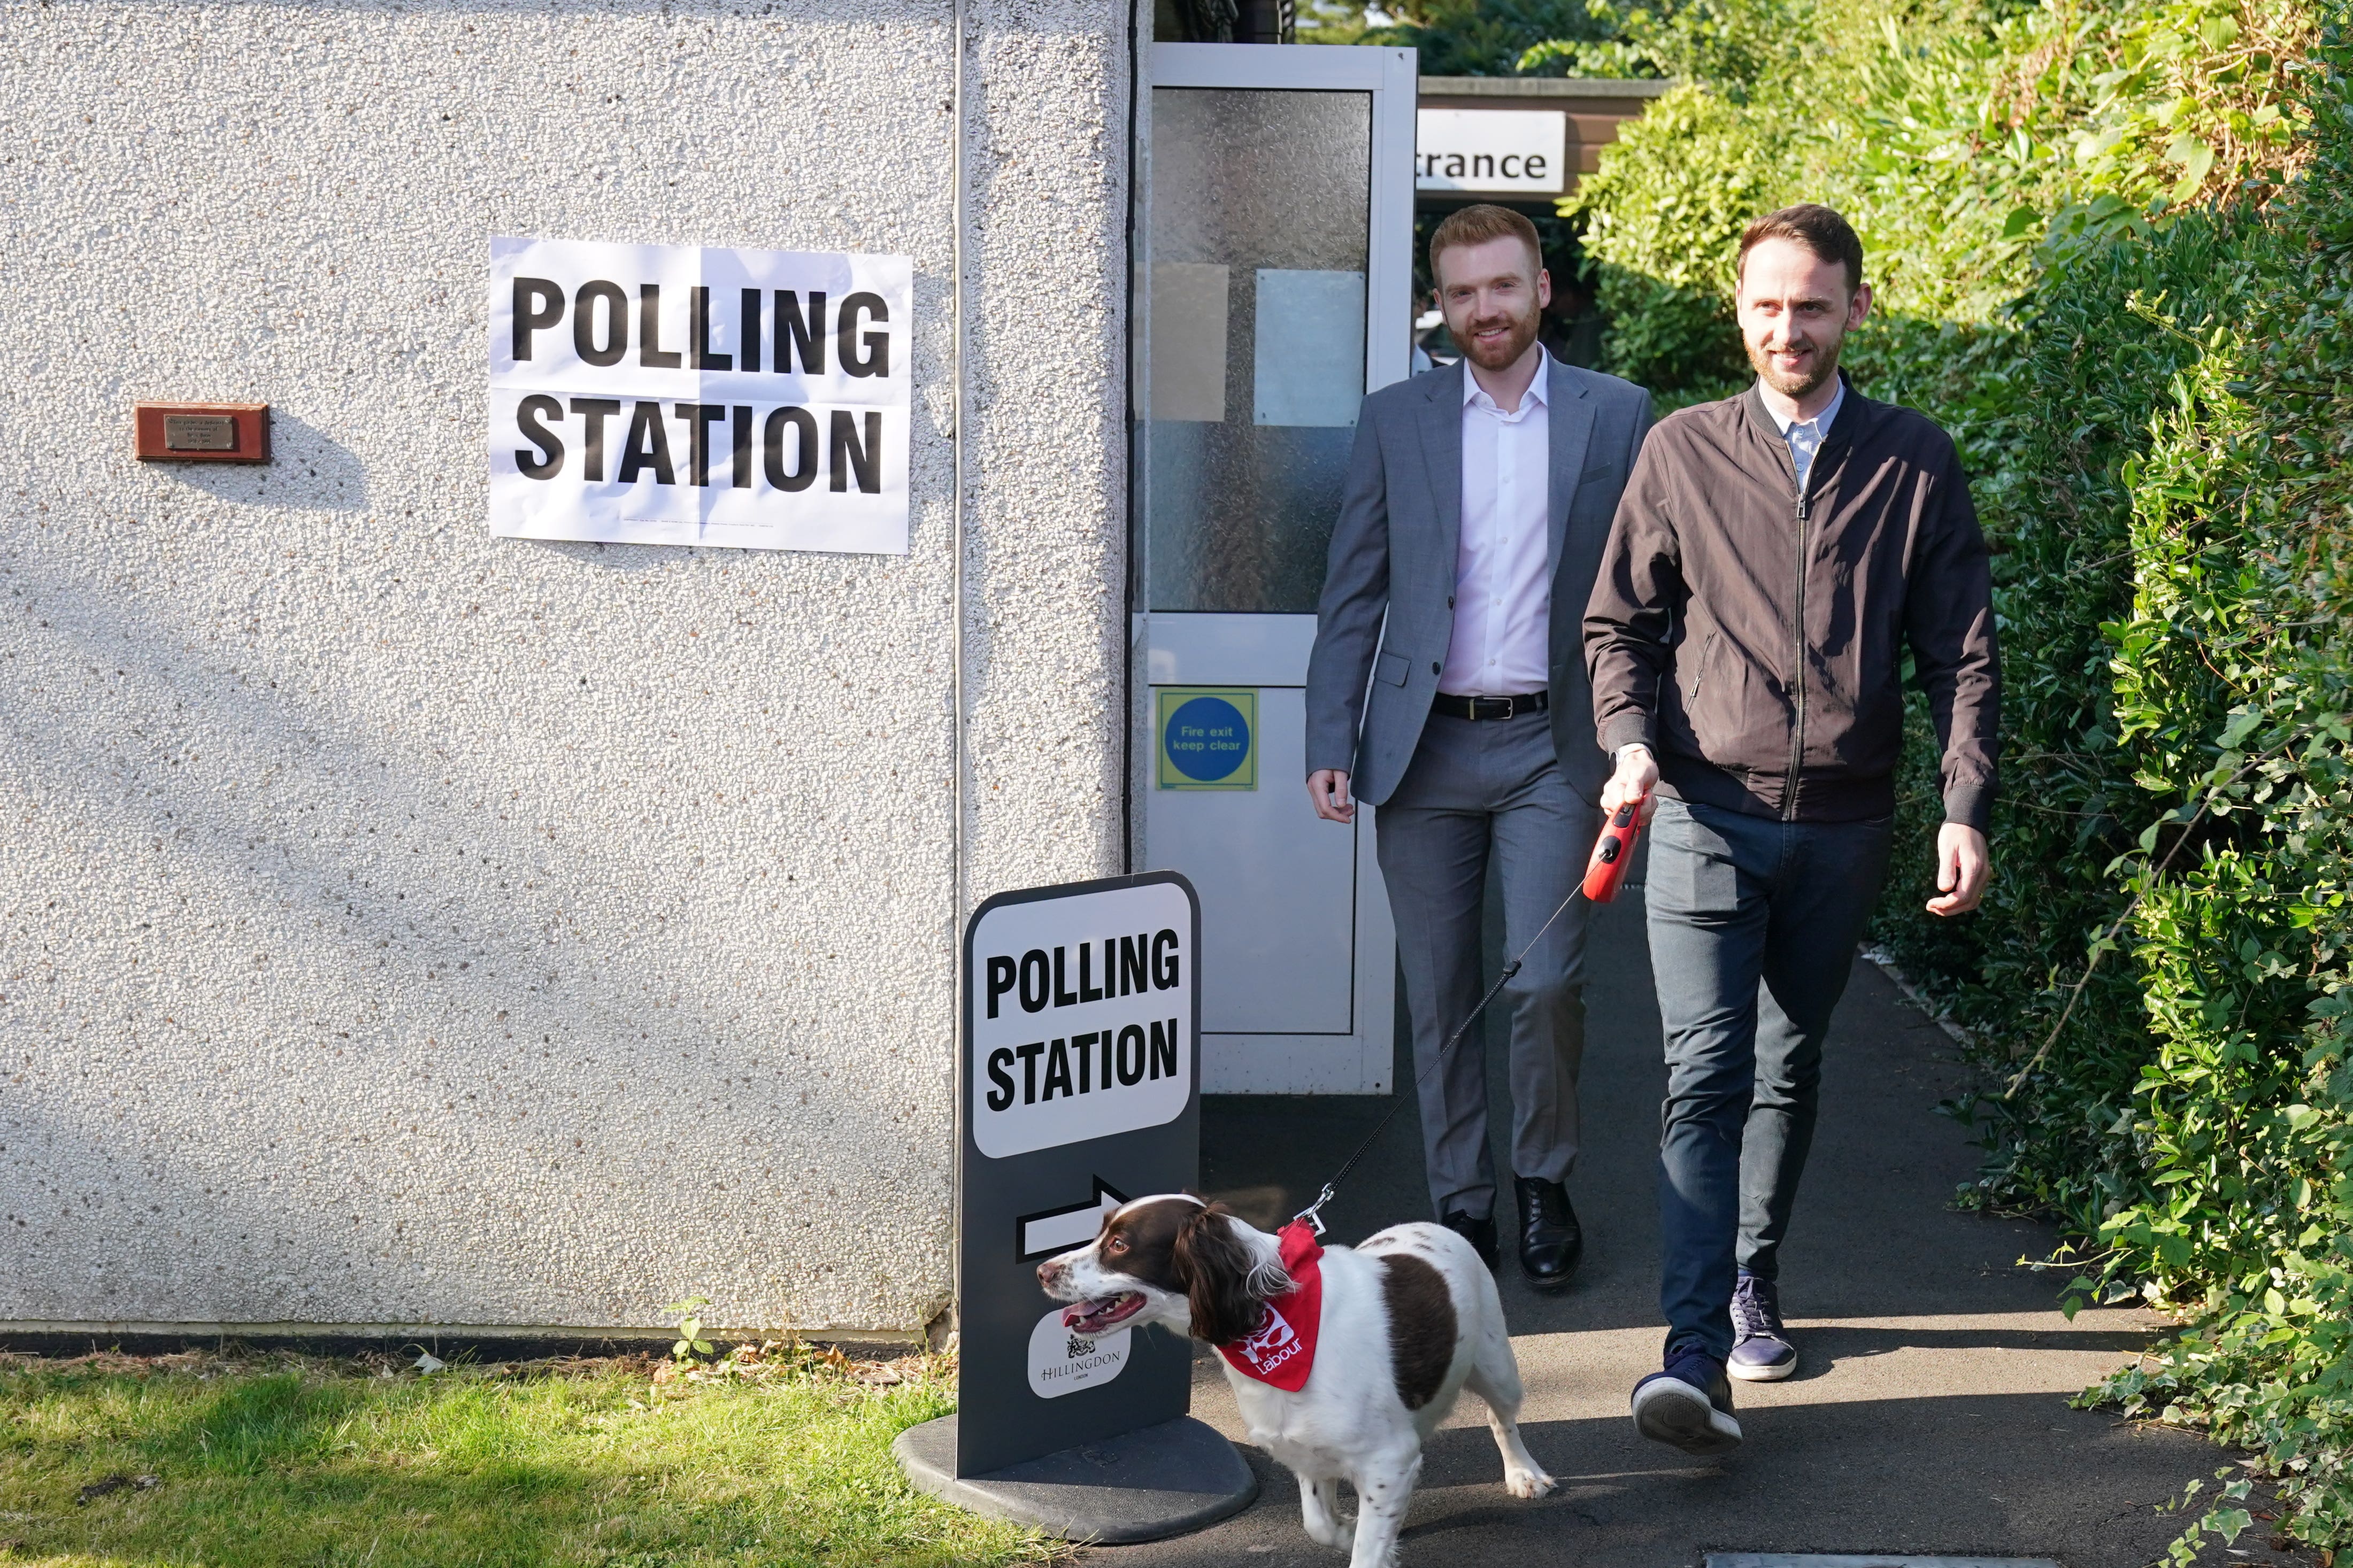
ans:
(1272, 1346)
(1281, 1352)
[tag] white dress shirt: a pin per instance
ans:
(1502, 589)
(1805, 435)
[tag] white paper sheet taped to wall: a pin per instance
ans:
(678, 394)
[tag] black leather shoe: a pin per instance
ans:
(1551, 1241)
(1478, 1233)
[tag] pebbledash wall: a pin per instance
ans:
(408, 927)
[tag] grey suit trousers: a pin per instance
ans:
(1476, 789)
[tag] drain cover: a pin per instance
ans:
(1864, 1559)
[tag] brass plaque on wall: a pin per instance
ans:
(199, 433)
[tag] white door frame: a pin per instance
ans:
(1266, 650)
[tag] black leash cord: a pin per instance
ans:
(1310, 1213)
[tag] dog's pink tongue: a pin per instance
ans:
(1073, 1316)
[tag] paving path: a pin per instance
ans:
(1930, 1414)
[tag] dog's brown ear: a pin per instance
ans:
(1214, 1264)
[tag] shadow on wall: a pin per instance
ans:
(604, 557)
(308, 471)
(684, 16)
(594, 1074)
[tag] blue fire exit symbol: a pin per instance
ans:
(1208, 737)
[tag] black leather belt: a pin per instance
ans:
(1490, 707)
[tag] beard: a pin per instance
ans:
(1521, 331)
(1820, 367)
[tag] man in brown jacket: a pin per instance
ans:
(1772, 557)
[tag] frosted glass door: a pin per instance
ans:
(1256, 338)
(1271, 250)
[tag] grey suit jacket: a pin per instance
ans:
(1393, 556)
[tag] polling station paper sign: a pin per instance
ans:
(684, 394)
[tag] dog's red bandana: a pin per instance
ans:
(1282, 1350)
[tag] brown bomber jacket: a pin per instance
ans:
(1713, 563)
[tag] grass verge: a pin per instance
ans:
(243, 1461)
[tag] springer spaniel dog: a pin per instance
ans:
(1346, 1388)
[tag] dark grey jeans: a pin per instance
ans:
(1753, 930)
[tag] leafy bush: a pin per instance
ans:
(1732, 45)
(1453, 37)
(2175, 579)
(2234, 692)
(2114, 244)
(1663, 219)
(1967, 146)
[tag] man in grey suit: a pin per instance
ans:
(1491, 482)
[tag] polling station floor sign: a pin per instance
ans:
(1208, 737)
(1077, 1089)
(687, 395)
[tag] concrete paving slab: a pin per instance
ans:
(1833, 1559)
(1930, 1412)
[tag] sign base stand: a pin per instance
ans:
(1168, 1479)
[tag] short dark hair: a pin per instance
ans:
(1817, 227)
(1478, 224)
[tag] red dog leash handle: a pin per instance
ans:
(1613, 852)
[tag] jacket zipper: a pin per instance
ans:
(1798, 731)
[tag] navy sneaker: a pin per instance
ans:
(1761, 1351)
(1688, 1406)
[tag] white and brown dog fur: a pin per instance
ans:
(1411, 1319)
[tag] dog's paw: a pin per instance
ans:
(1320, 1514)
(1527, 1484)
(1338, 1532)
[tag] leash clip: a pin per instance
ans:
(1309, 1213)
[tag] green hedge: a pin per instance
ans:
(2223, 453)
(2114, 245)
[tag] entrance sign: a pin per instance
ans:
(1498, 150)
(675, 395)
(1078, 1088)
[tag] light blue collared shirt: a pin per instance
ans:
(1805, 438)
